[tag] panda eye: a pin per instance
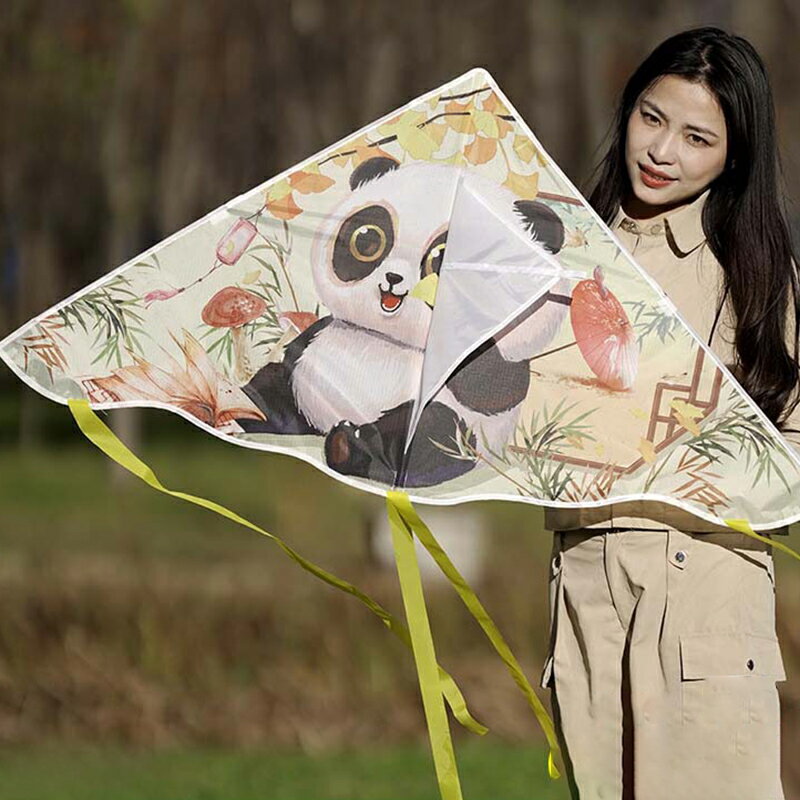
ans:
(367, 243)
(364, 240)
(432, 260)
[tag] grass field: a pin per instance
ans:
(488, 771)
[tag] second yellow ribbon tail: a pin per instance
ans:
(743, 526)
(403, 507)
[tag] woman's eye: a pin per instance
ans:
(649, 117)
(697, 139)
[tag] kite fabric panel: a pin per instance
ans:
(427, 305)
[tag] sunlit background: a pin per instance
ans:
(148, 648)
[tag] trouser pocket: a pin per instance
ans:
(723, 597)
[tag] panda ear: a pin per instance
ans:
(372, 168)
(541, 221)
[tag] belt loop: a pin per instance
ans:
(557, 560)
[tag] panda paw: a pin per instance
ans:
(358, 450)
(338, 444)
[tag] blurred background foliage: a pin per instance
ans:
(142, 637)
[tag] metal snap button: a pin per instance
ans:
(680, 556)
(751, 665)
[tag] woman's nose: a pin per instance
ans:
(662, 148)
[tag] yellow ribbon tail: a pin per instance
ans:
(743, 526)
(100, 435)
(444, 759)
(403, 507)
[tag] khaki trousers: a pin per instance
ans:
(663, 665)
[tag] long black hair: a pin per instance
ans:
(744, 224)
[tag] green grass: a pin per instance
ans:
(488, 770)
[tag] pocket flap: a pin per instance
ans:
(704, 655)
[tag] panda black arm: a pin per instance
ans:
(296, 347)
(488, 383)
(271, 390)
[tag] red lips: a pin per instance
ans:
(655, 173)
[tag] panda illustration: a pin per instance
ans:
(353, 375)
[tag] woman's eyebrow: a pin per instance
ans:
(655, 108)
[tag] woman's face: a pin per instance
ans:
(676, 130)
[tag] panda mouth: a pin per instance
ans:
(390, 301)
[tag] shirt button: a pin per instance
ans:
(680, 556)
(751, 665)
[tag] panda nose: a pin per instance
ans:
(393, 278)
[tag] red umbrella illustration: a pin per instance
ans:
(603, 333)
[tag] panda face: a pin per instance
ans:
(378, 244)
(390, 232)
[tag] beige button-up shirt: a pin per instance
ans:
(673, 249)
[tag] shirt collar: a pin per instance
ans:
(683, 227)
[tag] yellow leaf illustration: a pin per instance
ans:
(686, 409)
(310, 180)
(492, 102)
(416, 141)
(279, 190)
(524, 148)
(284, 207)
(460, 119)
(647, 450)
(480, 150)
(251, 277)
(486, 123)
(600, 448)
(388, 128)
(524, 186)
(639, 413)
(686, 414)
(436, 131)
(687, 422)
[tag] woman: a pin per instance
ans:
(664, 658)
